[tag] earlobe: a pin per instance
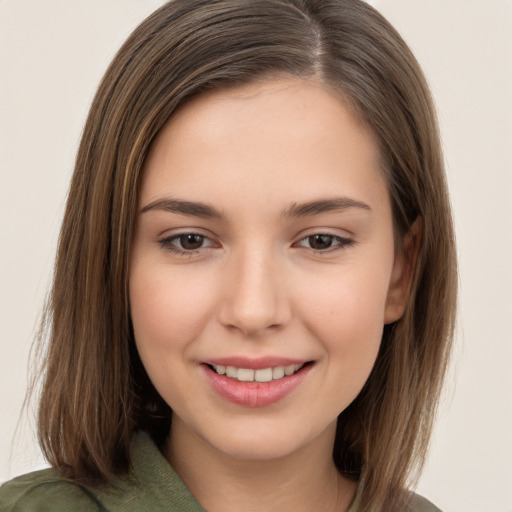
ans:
(402, 274)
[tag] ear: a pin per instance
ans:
(401, 276)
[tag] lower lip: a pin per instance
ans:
(255, 394)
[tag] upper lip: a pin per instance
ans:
(254, 363)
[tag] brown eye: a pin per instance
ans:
(186, 243)
(320, 242)
(191, 241)
(324, 242)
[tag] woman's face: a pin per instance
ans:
(263, 266)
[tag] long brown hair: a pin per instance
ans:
(95, 391)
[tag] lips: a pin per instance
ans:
(255, 383)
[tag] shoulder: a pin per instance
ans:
(418, 503)
(150, 485)
(406, 501)
(44, 491)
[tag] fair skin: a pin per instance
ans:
(264, 240)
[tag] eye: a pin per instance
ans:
(186, 243)
(324, 242)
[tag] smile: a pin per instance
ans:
(261, 375)
(262, 386)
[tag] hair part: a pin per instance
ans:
(183, 49)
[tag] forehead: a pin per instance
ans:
(266, 101)
(296, 137)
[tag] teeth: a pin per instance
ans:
(278, 372)
(245, 375)
(289, 370)
(231, 371)
(263, 375)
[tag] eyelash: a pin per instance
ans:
(342, 242)
(168, 243)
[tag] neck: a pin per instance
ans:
(301, 481)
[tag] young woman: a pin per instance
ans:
(254, 291)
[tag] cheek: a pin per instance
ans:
(167, 310)
(168, 314)
(348, 318)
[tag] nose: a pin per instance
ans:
(255, 298)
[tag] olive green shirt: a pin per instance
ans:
(151, 486)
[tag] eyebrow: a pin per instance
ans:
(197, 209)
(206, 211)
(334, 204)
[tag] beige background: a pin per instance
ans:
(52, 55)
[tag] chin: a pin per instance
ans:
(267, 440)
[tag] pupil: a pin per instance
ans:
(320, 241)
(191, 242)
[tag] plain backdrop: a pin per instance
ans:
(52, 56)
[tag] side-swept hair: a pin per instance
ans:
(95, 391)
